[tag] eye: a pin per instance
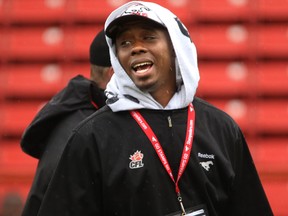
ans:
(124, 43)
(149, 37)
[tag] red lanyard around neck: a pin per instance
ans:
(158, 148)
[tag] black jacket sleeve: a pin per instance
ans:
(75, 188)
(248, 196)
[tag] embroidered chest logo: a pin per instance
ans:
(136, 160)
(206, 164)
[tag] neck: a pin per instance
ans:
(163, 97)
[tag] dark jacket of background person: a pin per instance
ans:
(46, 136)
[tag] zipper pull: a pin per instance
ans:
(181, 204)
(169, 121)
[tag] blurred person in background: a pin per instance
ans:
(47, 134)
(12, 204)
(156, 149)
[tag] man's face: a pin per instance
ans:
(145, 52)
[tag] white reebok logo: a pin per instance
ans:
(206, 164)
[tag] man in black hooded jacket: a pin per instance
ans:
(156, 149)
(47, 134)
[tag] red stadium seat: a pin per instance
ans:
(271, 79)
(272, 41)
(32, 81)
(271, 158)
(80, 38)
(239, 110)
(48, 43)
(270, 155)
(15, 117)
(38, 80)
(36, 11)
(233, 79)
(35, 43)
(16, 169)
(3, 42)
(270, 10)
(2, 11)
(72, 70)
(224, 79)
(271, 116)
(221, 10)
(276, 191)
(181, 8)
(93, 11)
(14, 162)
(221, 41)
(260, 117)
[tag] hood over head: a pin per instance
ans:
(79, 94)
(121, 92)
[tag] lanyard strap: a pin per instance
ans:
(158, 148)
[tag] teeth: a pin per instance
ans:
(141, 65)
(141, 71)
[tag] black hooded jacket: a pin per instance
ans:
(46, 136)
(97, 173)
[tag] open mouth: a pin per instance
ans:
(142, 67)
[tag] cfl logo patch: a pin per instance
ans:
(136, 160)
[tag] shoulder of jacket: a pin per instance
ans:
(90, 119)
(205, 107)
(215, 116)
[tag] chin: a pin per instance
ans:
(146, 88)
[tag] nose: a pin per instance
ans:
(138, 48)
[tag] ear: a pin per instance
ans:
(110, 72)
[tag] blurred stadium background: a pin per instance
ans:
(243, 59)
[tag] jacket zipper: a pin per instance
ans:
(169, 121)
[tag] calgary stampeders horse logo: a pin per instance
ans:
(136, 160)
